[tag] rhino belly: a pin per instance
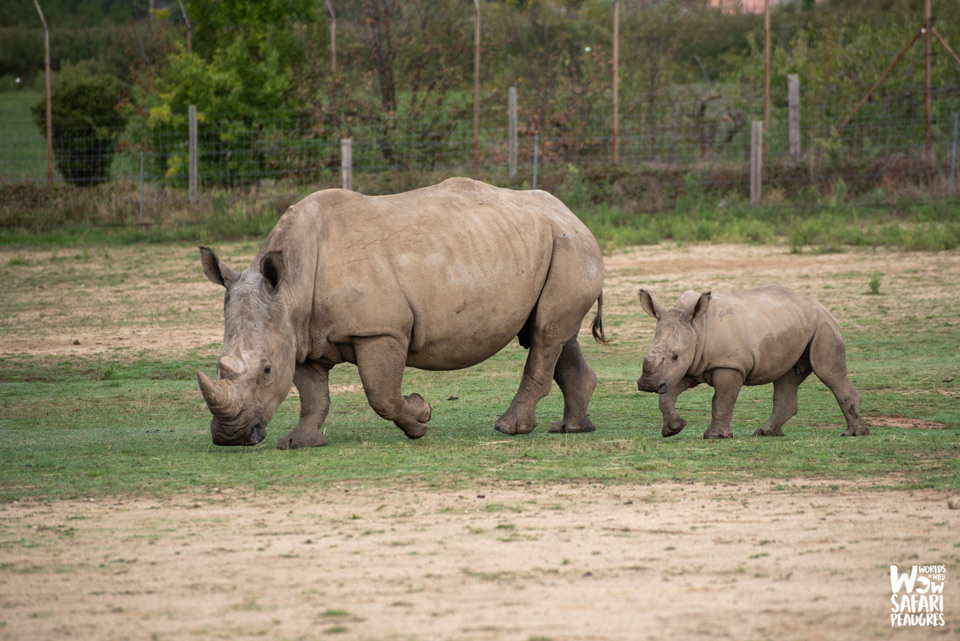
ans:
(464, 335)
(778, 354)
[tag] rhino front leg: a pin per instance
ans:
(727, 384)
(311, 380)
(577, 381)
(381, 361)
(672, 422)
(785, 404)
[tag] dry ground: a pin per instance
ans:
(156, 298)
(799, 560)
(497, 561)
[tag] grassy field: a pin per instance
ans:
(23, 151)
(120, 412)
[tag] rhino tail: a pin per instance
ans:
(597, 328)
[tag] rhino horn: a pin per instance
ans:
(220, 396)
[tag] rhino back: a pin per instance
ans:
(762, 332)
(457, 267)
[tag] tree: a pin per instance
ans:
(87, 120)
(416, 55)
(241, 76)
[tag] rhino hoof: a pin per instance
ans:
(863, 430)
(414, 432)
(573, 427)
(511, 428)
(673, 427)
(297, 441)
(761, 432)
(709, 436)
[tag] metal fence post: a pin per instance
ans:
(192, 111)
(346, 163)
(756, 161)
(793, 100)
(953, 157)
(512, 129)
(141, 186)
(46, 75)
(536, 157)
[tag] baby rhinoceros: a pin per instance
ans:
(752, 337)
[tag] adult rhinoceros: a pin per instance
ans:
(438, 278)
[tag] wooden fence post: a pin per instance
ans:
(346, 162)
(756, 161)
(793, 100)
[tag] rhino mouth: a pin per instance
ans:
(645, 384)
(224, 435)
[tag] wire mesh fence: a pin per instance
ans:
(710, 151)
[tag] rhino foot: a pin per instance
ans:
(861, 430)
(768, 432)
(708, 435)
(511, 425)
(673, 427)
(421, 411)
(573, 427)
(295, 440)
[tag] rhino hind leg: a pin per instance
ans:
(380, 362)
(785, 404)
(577, 381)
(520, 417)
(574, 283)
(828, 358)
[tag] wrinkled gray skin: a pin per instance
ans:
(439, 278)
(753, 337)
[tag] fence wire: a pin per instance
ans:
(709, 151)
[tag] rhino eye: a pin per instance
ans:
(266, 370)
(675, 357)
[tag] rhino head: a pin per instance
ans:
(256, 366)
(674, 344)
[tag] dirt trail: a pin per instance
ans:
(497, 561)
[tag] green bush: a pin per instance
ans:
(85, 122)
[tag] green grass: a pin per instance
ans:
(93, 426)
(23, 149)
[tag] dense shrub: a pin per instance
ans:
(86, 120)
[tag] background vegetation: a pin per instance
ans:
(272, 111)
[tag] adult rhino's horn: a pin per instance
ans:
(220, 396)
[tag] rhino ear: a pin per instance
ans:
(701, 305)
(650, 304)
(216, 270)
(272, 269)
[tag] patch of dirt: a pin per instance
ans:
(498, 561)
(904, 422)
